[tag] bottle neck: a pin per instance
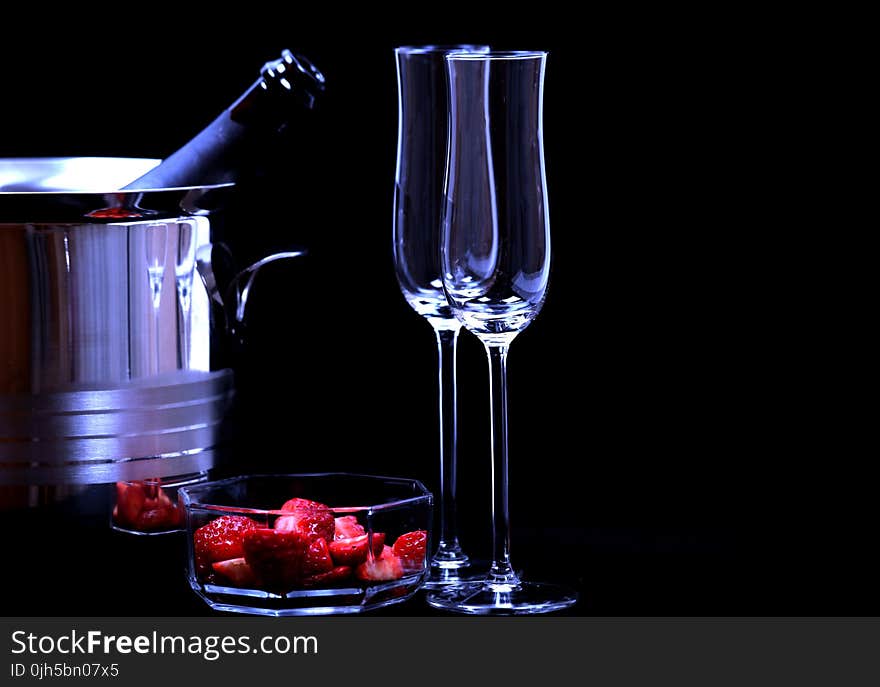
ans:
(223, 150)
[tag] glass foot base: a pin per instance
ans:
(445, 574)
(526, 598)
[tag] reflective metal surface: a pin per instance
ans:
(86, 189)
(105, 354)
(167, 427)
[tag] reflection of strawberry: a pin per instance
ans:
(277, 558)
(307, 517)
(237, 571)
(219, 540)
(176, 516)
(129, 502)
(317, 559)
(382, 569)
(145, 507)
(410, 549)
(331, 577)
(348, 526)
(353, 551)
(154, 519)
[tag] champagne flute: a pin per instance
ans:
(418, 193)
(496, 263)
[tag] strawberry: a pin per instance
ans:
(277, 558)
(237, 571)
(353, 550)
(317, 559)
(220, 540)
(307, 517)
(348, 526)
(382, 569)
(326, 579)
(303, 504)
(410, 549)
(129, 502)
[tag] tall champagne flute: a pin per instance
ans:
(418, 193)
(496, 262)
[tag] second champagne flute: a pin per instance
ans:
(418, 192)
(496, 265)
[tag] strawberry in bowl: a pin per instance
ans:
(307, 544)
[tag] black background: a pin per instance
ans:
(676, 444)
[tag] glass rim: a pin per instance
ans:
(192, 495)
(434, 49)
(497, 55)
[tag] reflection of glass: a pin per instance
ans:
(496, 261)
(183, 271)
(155, 241)
(418, 195)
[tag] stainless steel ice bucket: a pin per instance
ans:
(107, 324)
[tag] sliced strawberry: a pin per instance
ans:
(353, 551)
(237, 571)
(317, 558)
(348, 526)
(220, 540)
(307, 517)
(410, 549)
(130, 501)
(382, 569)
(331, 577)
(303, 504)
(277, 558)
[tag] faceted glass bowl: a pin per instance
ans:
(381, 506)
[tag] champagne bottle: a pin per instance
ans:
(287, 87)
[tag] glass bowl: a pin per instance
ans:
(150, 506)
(310, 544)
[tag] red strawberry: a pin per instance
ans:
(129, 502)
(237, 571)
(348, 526)
(326, 579)
(382, 569)
(307, 517)
(317, 558)
(410, 549)
(220, 540)
(277, 558)
(303, 504)
(353, 551)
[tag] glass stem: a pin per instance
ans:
(501, 574)
(448, 550)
